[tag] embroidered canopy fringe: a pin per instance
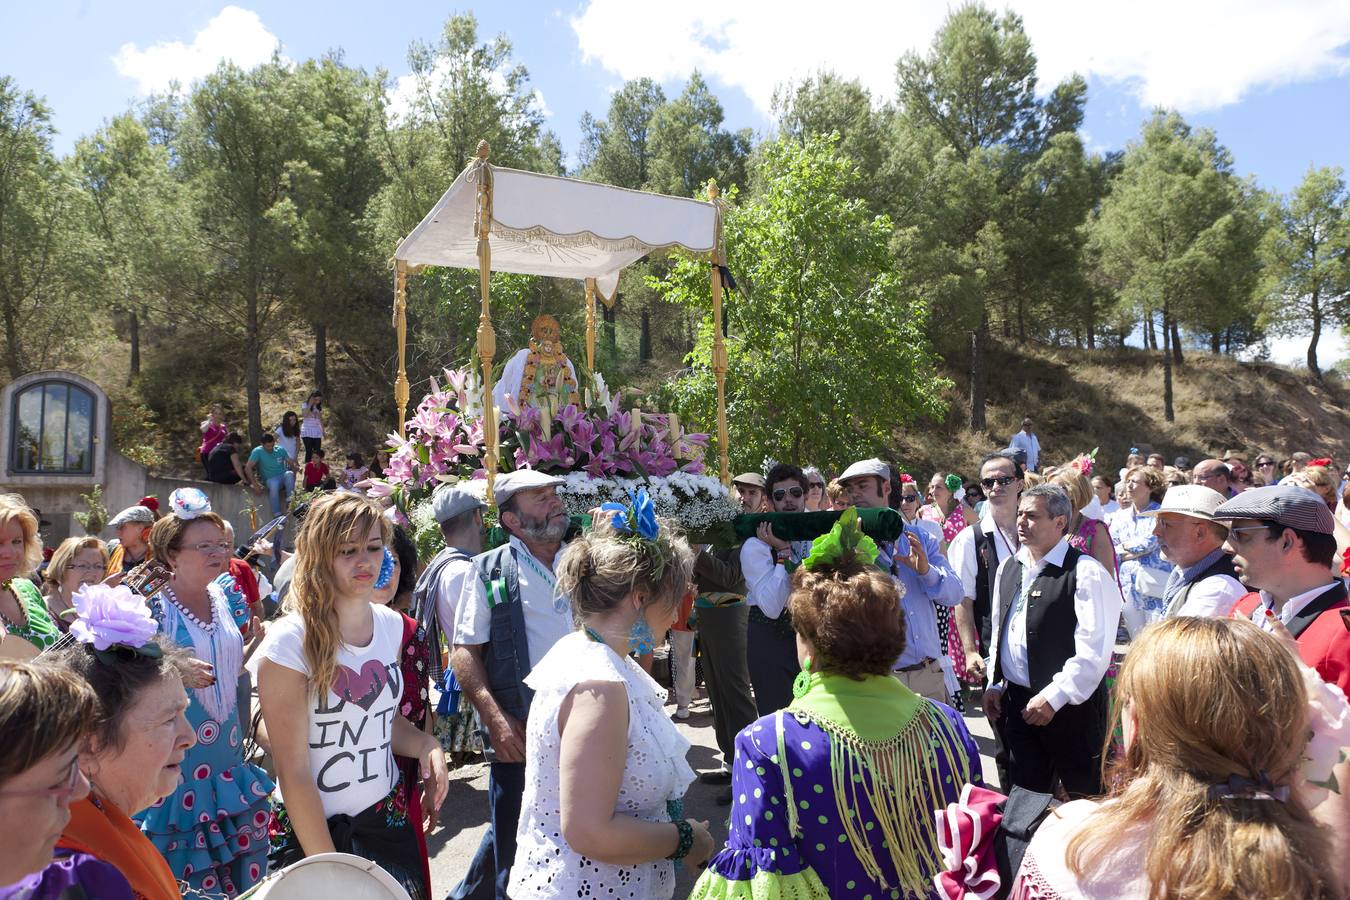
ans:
(541, 235)
(904, 776)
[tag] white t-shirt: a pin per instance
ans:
(351, 726)
(547, 614)
(449, 589)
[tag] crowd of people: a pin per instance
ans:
(1163, 655)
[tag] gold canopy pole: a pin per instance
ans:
(481, 172)
(401, 328)
(719, 358)
(590, 325)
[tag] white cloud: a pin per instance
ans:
(235, 35)
(404, 92)
(1192, 55)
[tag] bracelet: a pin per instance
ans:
(686, 840)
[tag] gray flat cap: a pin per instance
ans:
(506, 485)
(450, 501)
(1285, 504)
(751, 479)
(139, 514)
(866, 467)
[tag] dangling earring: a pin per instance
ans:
(802, 683)
(640, 638)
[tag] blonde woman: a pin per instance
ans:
(1142, 571)
(77, 562)
(1205, 802)
(1087, 529)
(330, 683)
(605, 768)
(1323, 482)
(28, 628)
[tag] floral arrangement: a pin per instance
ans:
(603, 452)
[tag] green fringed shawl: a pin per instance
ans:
(886, 745)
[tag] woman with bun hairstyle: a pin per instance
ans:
(605, 768)
(330, 683)
(1208, 800)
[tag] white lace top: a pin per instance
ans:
(655, 772)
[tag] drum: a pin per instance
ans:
(14, 647)
(328, 875)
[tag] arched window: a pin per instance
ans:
(53, 430)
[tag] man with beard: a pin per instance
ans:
(509, 616)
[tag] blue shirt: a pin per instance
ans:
(270, 465)
(922, 596)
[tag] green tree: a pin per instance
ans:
(618, 149)
(1162, 230)
(819, 329)
(1309, 256)
(689, 146)
(42, 251)
(987, 181)
(828, 104)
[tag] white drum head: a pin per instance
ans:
(333, 875)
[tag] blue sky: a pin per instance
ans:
(1272, 79)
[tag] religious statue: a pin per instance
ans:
(539, 375)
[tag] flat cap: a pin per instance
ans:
(1285, 504)
(863, 467)
(753, 479)
(505, 486)
(132, 514)
(450, 501)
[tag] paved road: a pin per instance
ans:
(464, 815)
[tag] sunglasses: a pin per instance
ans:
(1264, 464)
(1001, 481)
(909, 498)
(794, 493)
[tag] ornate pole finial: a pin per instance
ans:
(713, 191)
(482, 151)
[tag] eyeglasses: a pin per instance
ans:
(85, 567)
(1209, 477)
(210, 547)
(62, 792)
(909, 498)
(795, 493)
(1001, 481)
(1233, 531)
(1265, 464)
(816, 486)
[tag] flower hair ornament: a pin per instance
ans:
(953, 483)
(115, 621)
(189, 503)
(1084, 462)
(844, 542)
(1324, 461)
(636, 524)
(906, 478)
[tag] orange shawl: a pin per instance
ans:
(104, 832)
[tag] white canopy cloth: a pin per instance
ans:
(561, 227)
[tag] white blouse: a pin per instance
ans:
(655, 772)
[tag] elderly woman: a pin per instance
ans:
(212, 830)
(605, 769)
(133, 752)
(834, 796)
(45, 712)
(1142, 570)
(28, 628)
(77, 562)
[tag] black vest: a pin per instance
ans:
(1221, 566)
(986, 564)
(1051, 618)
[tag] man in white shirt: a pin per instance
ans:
(1056, 611)
(509, 616)
(436, 597)
(1203, 582)
(767, 562)
(1026, 441)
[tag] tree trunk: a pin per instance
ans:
(1168, 413)
(1150, 339)
(14, 357)
(977, 387)
(253, 371)
(1316, 335)
(134, 327)
(1216, 342)
(1091, 336)
(645, 336)
(610, 315)
(321, 359)
(1021, 319)
(1176, 345)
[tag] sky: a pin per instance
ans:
(1271, 78)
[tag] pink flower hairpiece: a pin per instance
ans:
(113, 618)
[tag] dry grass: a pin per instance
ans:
(1113, 399)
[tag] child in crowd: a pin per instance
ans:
(316, 471)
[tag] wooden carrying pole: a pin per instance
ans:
(487, 338)
(590, 326)
(719, 357)
(401, 329)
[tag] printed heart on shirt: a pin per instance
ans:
(362, 688)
